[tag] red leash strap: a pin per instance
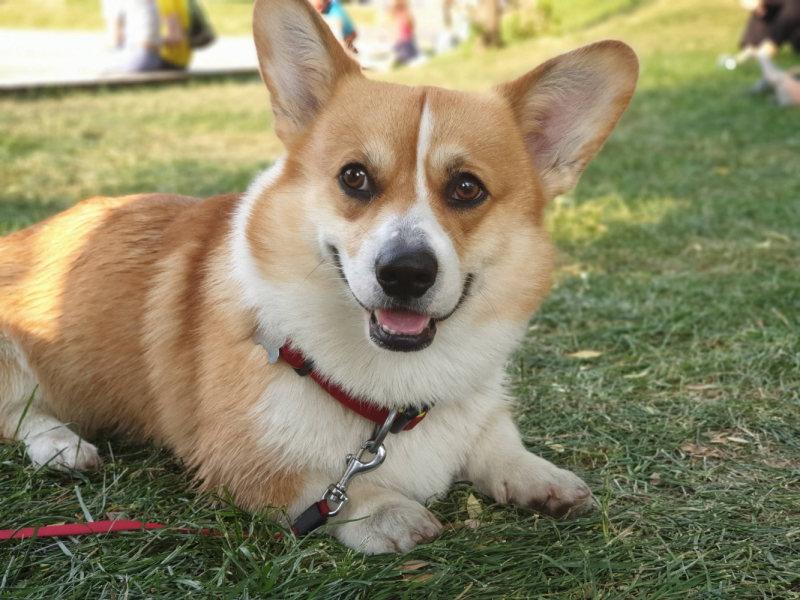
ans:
(93, 528)
(295, 359)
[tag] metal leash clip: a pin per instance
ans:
(318, 513)
(337, 492)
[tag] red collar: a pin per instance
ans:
(295, 359)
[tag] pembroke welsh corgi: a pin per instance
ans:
(386, 266)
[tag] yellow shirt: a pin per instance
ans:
(181, 54)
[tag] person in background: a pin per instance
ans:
(176, 51)
(134, 33)
(772, 24)
(338, 20)
(405, 47)
(786, 84)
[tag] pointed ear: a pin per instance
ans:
(300, 61)
(567, 107)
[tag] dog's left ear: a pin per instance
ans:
(300, 61)
(567, 107)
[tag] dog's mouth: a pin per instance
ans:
(401, 330)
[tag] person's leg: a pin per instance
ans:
(140, 60)
(787, 88)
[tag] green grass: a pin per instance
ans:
(679, 262)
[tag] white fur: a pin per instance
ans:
(322, 319)
(22, 417)
(468, 433)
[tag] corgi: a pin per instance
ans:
(398, 248)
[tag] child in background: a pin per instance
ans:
(338, 20)
(176, 52)
(405, 47)
(133, 32)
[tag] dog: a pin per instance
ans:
(397, 248)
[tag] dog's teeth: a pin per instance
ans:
(393, 332)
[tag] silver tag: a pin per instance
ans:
(270, 345)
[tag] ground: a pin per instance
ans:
(664, 368)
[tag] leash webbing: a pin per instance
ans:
(92, 528)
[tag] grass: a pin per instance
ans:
(679, 264)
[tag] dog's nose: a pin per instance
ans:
(406, 273)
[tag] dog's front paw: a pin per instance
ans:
(536, 483)
(394, 524)
(62, 449)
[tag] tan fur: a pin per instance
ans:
(122, 319)
(137, 314)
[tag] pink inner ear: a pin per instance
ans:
(563, 126)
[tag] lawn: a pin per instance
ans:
(679, 269)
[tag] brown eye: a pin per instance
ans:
(355, 178)
(356, 182)
(467, 189)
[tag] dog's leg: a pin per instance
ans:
(387, 521)
(47, 439)
(501, 467)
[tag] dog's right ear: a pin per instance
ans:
(300, 61)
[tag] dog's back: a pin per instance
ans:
(72, 299)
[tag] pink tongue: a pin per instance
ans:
(402, 321)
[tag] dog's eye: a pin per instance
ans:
(355, 178)
(356, 181)
(467, 190)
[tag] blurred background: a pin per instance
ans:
(123, 96)
(665, 365)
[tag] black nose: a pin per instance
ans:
(406, 273)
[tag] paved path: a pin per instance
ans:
(38, 58)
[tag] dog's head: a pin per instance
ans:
(423, 204)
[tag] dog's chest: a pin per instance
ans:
(306, 430)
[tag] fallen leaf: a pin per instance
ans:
(585, 354)
(698, 388)
(556, 447)
(655, 478)
(114, 515)
(702, 451)
(474, 508)
(638, 375)
(412, 565)
(415, 578)
(737, 440)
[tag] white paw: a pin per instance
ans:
(62, 449)
(538, 484)
(394, 526)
